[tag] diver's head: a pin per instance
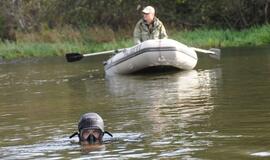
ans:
(91, 128)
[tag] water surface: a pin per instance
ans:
(219, 110)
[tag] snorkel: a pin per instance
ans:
(90, 129)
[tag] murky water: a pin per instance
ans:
(220, 110)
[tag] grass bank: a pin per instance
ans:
(255, 36)
(64, 40)
(42, 49)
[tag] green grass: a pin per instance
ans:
(38, 49)
(254, 36)
(57, 44)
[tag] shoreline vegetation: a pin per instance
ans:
(57, 42)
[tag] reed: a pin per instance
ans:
(57, 42)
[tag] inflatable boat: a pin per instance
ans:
(152, 53)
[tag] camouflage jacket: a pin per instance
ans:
(143, 31)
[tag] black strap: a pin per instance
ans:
(74, 134)
(77, 133)
(108, 133)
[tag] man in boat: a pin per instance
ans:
(90, 129)
(149, 27)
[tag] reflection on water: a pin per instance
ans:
(218, 110)
(174, 102)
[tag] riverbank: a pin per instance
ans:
(255, 36)
(59, 42)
